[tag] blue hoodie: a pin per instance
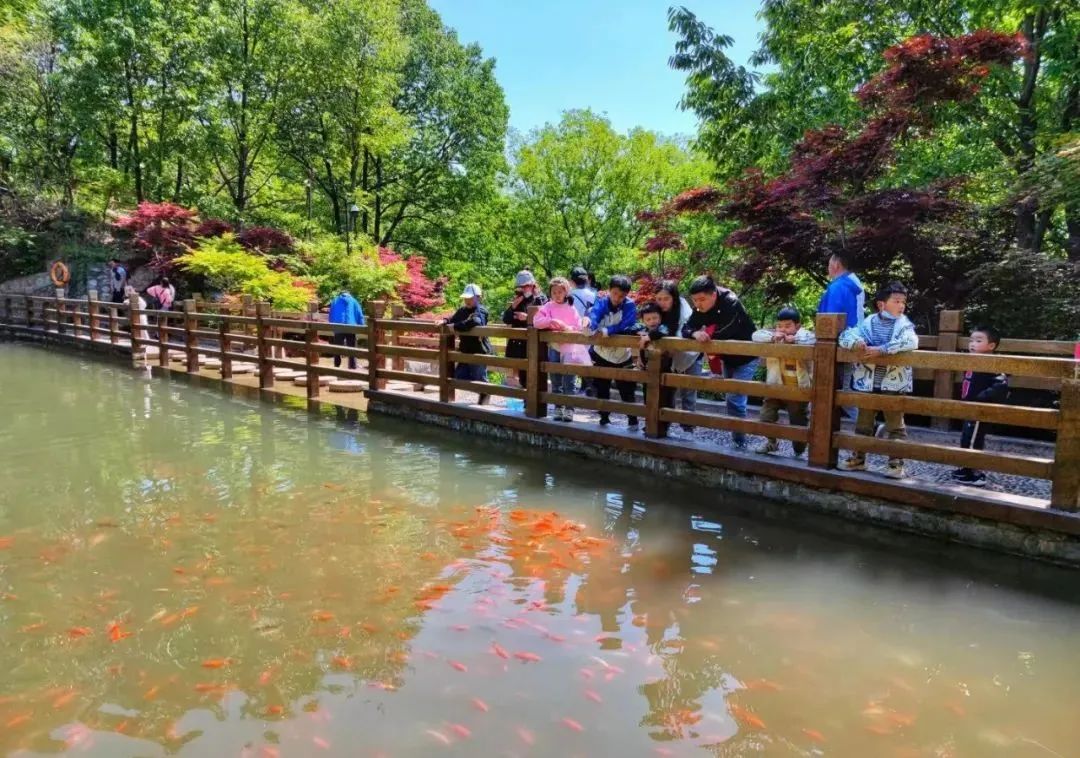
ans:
(345, 310)
(844, 294)
(609, 321)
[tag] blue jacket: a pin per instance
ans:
(844, 294)
(346, 310)
(610, 321)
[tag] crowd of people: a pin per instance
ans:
(712, 312)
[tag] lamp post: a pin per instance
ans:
(354, 211)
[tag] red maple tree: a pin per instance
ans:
(834, 197)
(419, 292)
(156, 233)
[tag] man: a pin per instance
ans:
(118, 280)
(345, 310)
(845, 294)
(718, 315)
(583, 297)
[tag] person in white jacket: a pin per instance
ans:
(792, 373)
(886, 333)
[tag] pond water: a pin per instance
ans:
(183, 572)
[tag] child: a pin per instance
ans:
(613, 314)
(652, 326)
(791, 373)
(471, 314)
(979, 387)
(887, 332)
(559, 315)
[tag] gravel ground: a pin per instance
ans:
(916, 470)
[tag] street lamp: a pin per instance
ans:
(354, 211)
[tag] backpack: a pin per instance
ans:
(579, 297)
(153, 303)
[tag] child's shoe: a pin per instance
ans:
(854, 462)
(631, 421)
(969, 478)
(767, 447)
(895, 469)
(605, 419)
(567, 413)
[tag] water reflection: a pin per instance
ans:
(183, 572)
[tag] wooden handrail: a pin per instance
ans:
(1051, 368)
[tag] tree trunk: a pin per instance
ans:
(1033, 27)
(365, 220)
(179, 179)
(378, 199)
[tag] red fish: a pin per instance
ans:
(16, 720)
(216, 663)
(321, 743)
(264, 677)
(343, 662)
(117, 633)
(528, 657)
(6, 542)
(64, 699)
(594, 696)
(814, 735)
(190, 611)
(499, 651)
(745, 717)
(569, 723)
(151, 693)
(461, 730)
(32, 627)
(76, 632)
(763, 684)
(322, 616)
(480, 705)
(275, 710)
(459, 665)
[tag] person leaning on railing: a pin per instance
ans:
(559, 315)
(887, 332)
(718, 315)
(980, 387)
(526, 294)
(787, 372)
(614, 314)
(469, 316)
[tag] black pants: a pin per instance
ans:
(118, 296)
(627, 389)
(347, 340)
(973, 437)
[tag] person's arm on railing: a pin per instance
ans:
(852, 338)
(997, 392)
(627, 324)
(763, 335)
(903, 342)
(543, 318)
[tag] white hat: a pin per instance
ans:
(471, 290)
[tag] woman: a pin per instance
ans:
(526, 294)
(163, 293)
(675, 312)
(560, 315)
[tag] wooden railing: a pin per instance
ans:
(270, 345)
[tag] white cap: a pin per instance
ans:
(471, 290)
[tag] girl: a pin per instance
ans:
(559, 315)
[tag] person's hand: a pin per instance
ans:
(872, 352)
(778, 337)
(585, 322)
(644, 341)
(521, 316)
(701, 335)
(517, 301)
(859, 346)
(558, 326)
(789, 338)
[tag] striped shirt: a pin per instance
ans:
(881, 331)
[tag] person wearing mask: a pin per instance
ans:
(526, 295)
(470, 315)
(118, 280)
(718, 315)
(344, 309)
(614, 314)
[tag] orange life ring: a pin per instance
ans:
(59, 274)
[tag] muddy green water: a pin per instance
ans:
(183, 572)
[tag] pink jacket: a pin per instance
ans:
(568, 315)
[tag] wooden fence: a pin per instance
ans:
(271, 345)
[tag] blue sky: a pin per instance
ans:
(608, 55)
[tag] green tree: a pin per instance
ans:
(575, 190)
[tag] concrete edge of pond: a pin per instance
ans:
(1042, 534)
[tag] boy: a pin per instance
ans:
(979, 387)
(470, 315)
(614, 314)
(790, 373)
(887, 332)
(718, 315)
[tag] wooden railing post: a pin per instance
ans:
(266, 370)
(1065, 492)
(654, 372)
(535, 379)
(825, 418)
(190, 340)
(225, 345)
(446, 366)
(59, 311)
(7, 310)
(397, 311)
(76, 321)
(92, 311)
(247, 309)
(163, 341)
(950, 324)
(114, 327)
(311, 359)
(133, 322)
(29, 311)
(375, 361)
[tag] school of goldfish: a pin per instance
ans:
(517, 630)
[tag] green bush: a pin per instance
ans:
(333, 270)
(227, 266)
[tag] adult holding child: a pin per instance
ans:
(675, 311)
(526, 295)
(719, 315)
(560, 315)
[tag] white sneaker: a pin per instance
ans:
(567, 413)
